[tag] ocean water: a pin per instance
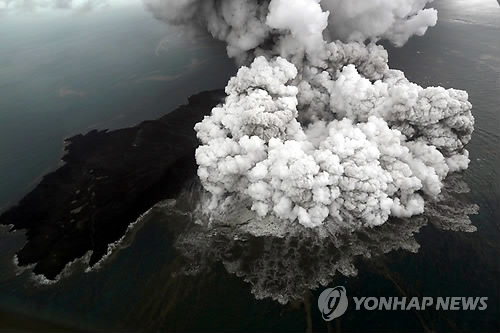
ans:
(63, 74)
(156, 283)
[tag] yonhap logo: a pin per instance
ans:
(333, 303)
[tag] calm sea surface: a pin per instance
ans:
(107, 71)
(65, 74)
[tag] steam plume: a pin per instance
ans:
(316, 128)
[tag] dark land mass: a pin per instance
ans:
(108, 180)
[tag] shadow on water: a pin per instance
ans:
(218, 277)
(173, 272)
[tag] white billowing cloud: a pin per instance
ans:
(395, 20)
(355, 167)
(305, 20)
(435, 115)
(317, 131)
(247, 25)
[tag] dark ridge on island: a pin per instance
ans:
(108, 180)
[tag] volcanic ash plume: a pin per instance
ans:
(316, 128)
(283, 268)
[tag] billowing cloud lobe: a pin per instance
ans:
(316, 128)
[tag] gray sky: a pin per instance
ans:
(16, 6)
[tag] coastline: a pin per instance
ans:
(108, 180)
